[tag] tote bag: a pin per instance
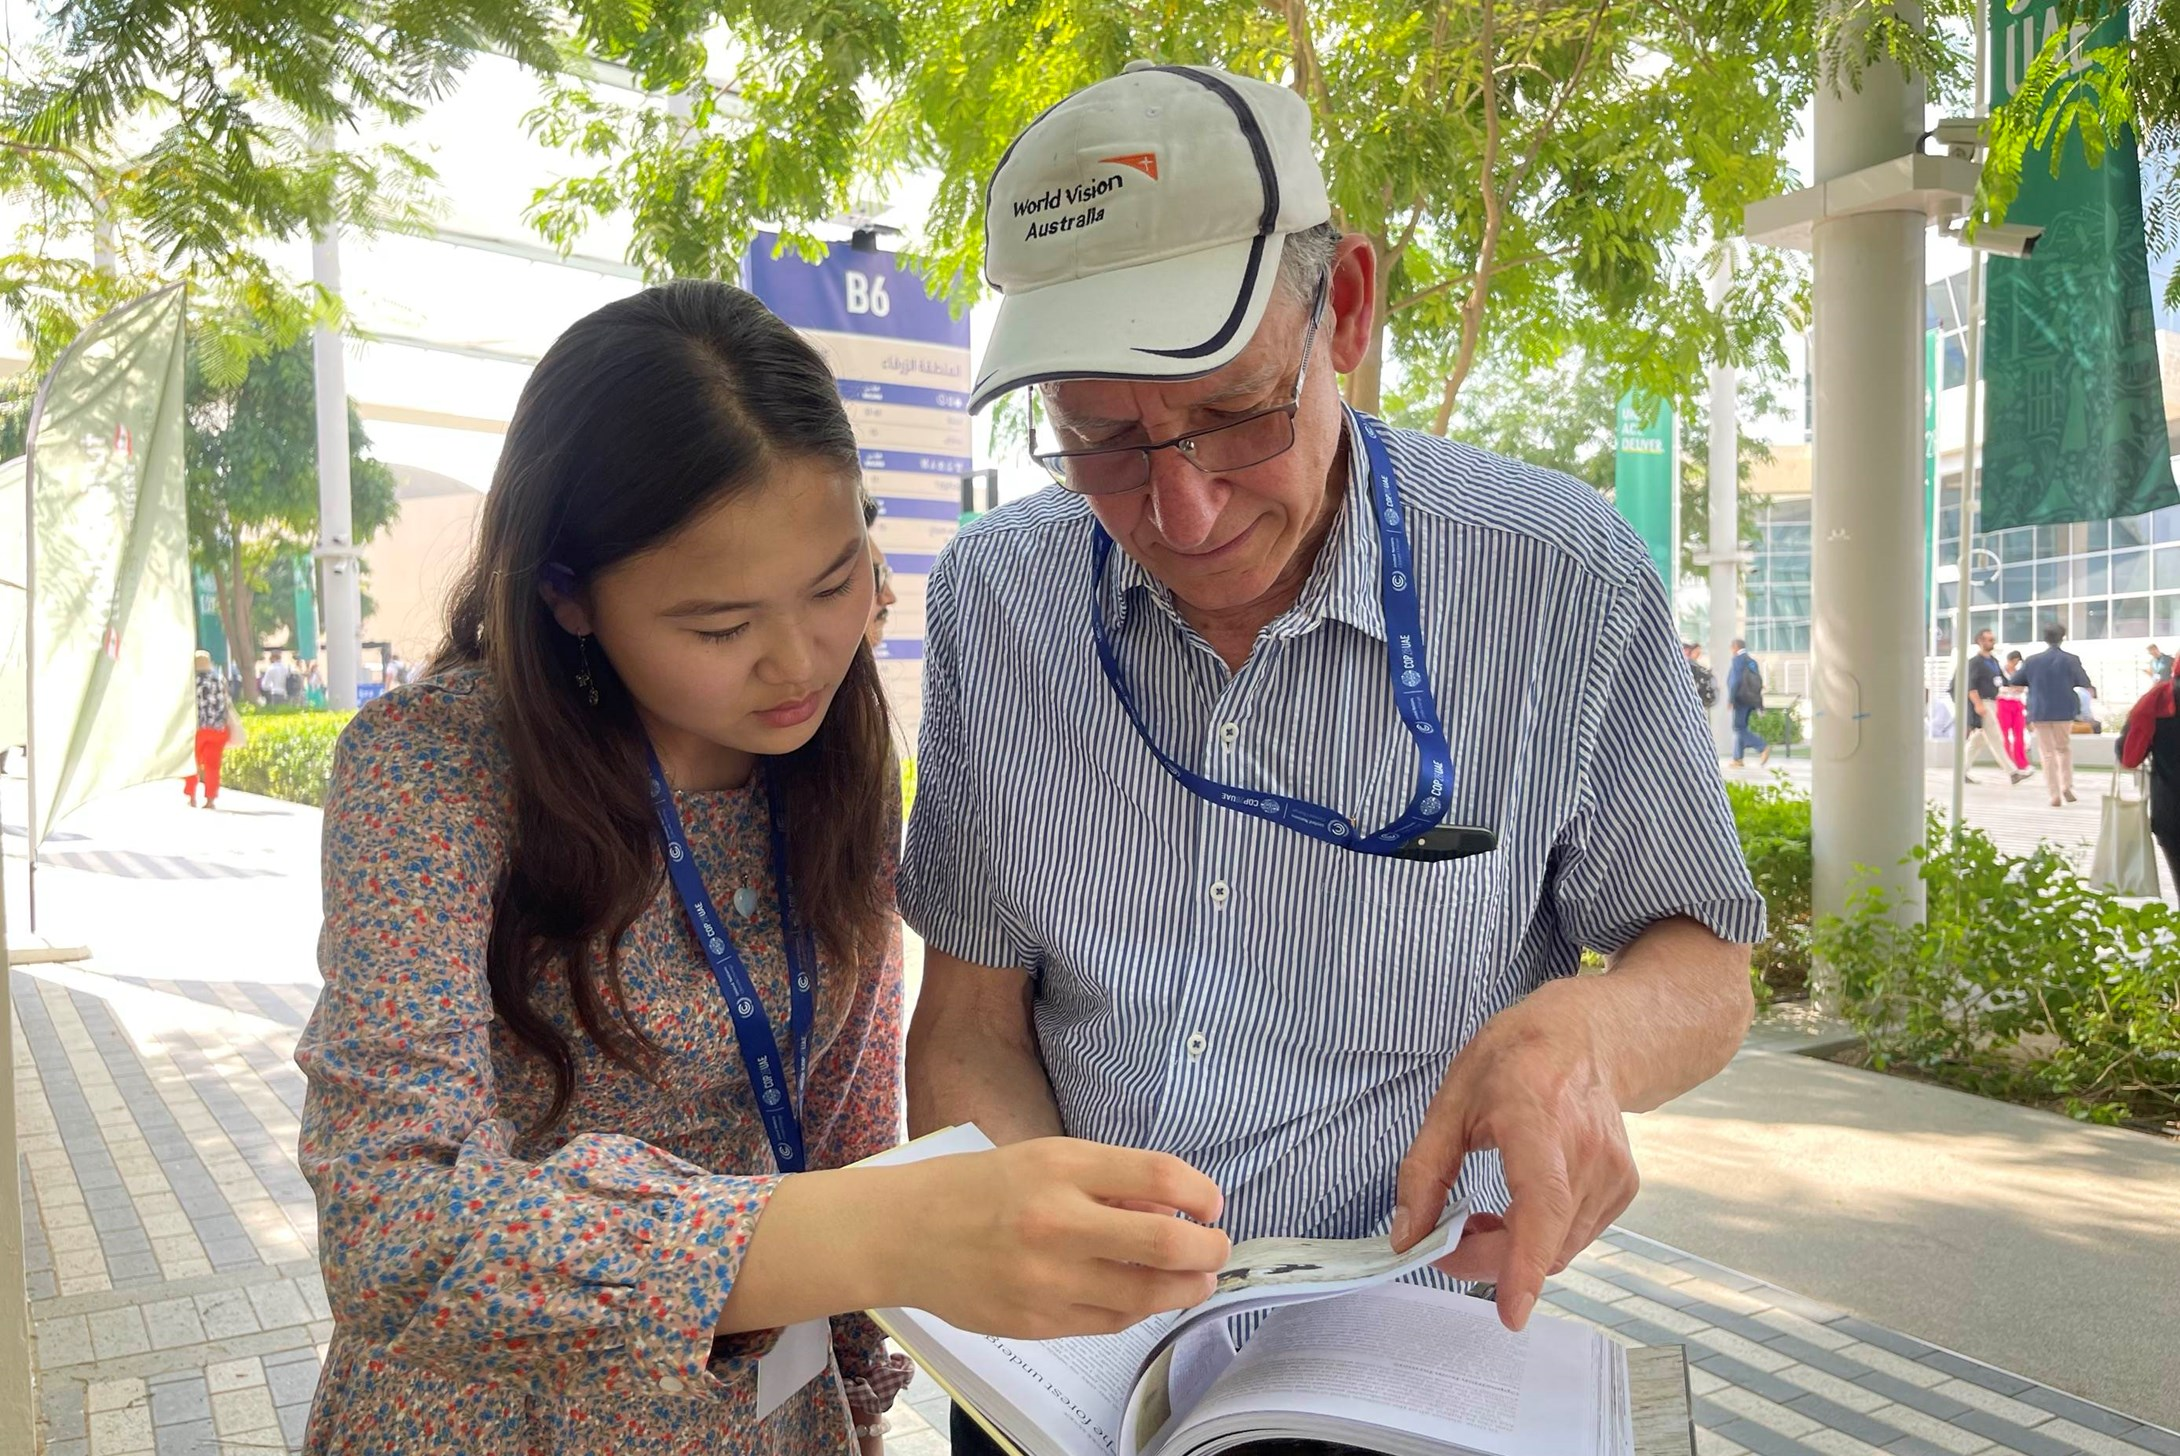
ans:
(2126, 861)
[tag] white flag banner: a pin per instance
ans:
(111, 621)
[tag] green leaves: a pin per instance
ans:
(2022, 983)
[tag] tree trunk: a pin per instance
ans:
(241, 638)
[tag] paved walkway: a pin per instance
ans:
(179, 1310)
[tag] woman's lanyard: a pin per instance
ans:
(1416, 834)
(769, 1081)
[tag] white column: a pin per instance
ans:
(341, 613)
(1867, 503)
(1725, 491)
(18, 1409)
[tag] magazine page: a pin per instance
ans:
(1408, 1369)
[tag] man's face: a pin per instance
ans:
(1223, 541)
(1986, 643)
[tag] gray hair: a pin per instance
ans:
(1304, 260)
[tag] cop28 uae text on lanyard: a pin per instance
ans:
(1416, 834)
(778, 1089)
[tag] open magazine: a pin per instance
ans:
(1343, 1356)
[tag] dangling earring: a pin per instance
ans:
(583, 679)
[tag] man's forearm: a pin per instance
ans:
(1667, 1015)
(972, 1057)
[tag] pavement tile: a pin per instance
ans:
(1587, 1308)
(1883, 1338)
(1989, 1377)
(172, 1323)
(1905, 1372)
(1840, 1392)
(237, 1411)
(1750, 1406)
(65, 1340)
(294, 1419)
(1930, 1403)
(279, 1305)
(227, 1375)
(2011, 1436)
(2081, 1412)
(1786, 1322)
(2083, 1438)
(2155, 1438)
(1748, 1352)
(181, 1401)
(1710, 1443)
(292, 1383)
(1982, 1398)
(1748, 1377)
(117, 1332)
(1763, 1440)
(190, 1438)
(106, 1395)
(1861, 1425)
(227, 1314)
(1831, 1362)
(1934, 1433)
(121, 1432)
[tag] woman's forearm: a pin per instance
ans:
(826, 1245)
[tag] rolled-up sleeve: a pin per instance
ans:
(947, 889)
(1652, 836)
(602, 1268)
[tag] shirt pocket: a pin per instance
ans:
(1408, 952)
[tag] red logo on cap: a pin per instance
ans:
(1144, 162)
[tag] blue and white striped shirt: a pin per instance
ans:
(1274, 1010)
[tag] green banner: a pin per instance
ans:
(306, 608)
(1932, 385)
(2076, 408)
(1646, 481)
(211, 632)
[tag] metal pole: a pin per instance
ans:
(18, 1410)
(1971, 455)
(1867, 791)
(1725, 492)
(30, 647)
(336, 528)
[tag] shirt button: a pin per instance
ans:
(1196, 1045)
(1218, 893)
(671, 1384)
(1229, 733)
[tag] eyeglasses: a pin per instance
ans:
(1237, 445)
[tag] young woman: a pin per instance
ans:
(577, 1167)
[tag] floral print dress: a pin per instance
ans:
(495, 1293)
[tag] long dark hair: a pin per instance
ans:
(640, 417)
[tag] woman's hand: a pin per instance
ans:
(1060, 1237)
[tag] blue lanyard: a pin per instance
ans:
(1406, 667)
(768, 1083)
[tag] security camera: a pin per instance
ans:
(2007, 240)
(1961, 136)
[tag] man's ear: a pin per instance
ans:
(1354, 301)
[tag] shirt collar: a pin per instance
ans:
(1343, 583)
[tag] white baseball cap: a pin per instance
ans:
(1135, 229)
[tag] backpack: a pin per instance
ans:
(1748, 688)
(1706, 685)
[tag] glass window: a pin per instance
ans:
(2100, 535)
(2168, 568)
(2077, 620)
(2131, 617)
(2165, 524)
(2077, 536)
(1983, 622)
(2018, 584)
(1948, 594)
(2018, 544)
(2051, 541)
(2092, 576)
(2018, 624)
(1986, 590)
(2051, 580)
(2168, 616)
(2130, 572)
(1790, 536)
(1790, 508)
(1949, 522)
(2131, 531)
(2100, 621)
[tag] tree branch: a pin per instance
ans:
(1472, 311)
(1550, 122)
(1463, 279)
(1309, 74)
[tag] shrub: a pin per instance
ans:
(2022, 983)
(1773, 821)
(1780, 727)
(289, 754)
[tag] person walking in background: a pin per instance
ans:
(2160, 668)
(272, 683)
(2051, 677)
(2013, 712)
(1985, 678)
(213, 709)
(1706, 682)
(2152, 735)
(1745, 690)
(881, 606)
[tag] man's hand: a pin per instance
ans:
(1546, 1082)
(1533, 1086)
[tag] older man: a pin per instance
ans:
(1276, 771)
